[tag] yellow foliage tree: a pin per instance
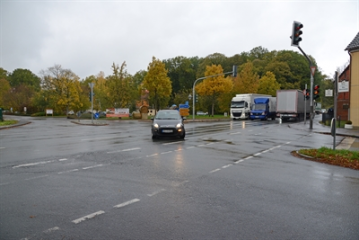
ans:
(157, 83)
(268, 84)
(214, 87)
(247, 80)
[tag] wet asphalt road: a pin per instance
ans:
(226, 180)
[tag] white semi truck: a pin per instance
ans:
(241, 105)
(291, 105)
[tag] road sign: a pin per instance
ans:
(312, 70)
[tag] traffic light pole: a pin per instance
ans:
(311, 90)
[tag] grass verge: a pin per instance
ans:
(343, 158)
(8, 122)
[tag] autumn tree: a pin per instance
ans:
(63, 88)
(268, 84)
(157, 83)
(120, 87)
(215, 85)
(4, 86)
(247, 81)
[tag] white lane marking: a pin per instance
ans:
(201, 145)
(278, 146)
(32, 178)
(287, 142)
(51, 229)
(32, 164)
(152, 155)
(166, 152)
(234, 133)
(156, 192)
(63, 159)
(125, 150)
(241, 160)
(265, 151)
(209, 143)
(127, 203)
(92, 215)
(257, 154)
(172, 143)
(93, 139)
(226, 166)
(94, 166)
(178, 150)
(248, 157)
(215, 170)
(72, 170)
(190, 147)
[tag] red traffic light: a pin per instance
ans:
(296, 32)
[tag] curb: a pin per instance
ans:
(14, 125)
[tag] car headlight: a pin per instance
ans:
(155, 125)
(179, 125)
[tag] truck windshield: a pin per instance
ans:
(240, 104)
(259, 106)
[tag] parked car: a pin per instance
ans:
(200, 113)
(168, 123)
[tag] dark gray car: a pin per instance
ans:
(168, 123)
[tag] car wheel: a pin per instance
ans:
(153, 137)
(184, 134)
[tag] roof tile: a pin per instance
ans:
(354, 44)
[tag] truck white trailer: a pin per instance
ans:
(291, 104)
(241, 105)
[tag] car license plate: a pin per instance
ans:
(167, 131)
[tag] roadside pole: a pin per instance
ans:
(305, 105)
(91, 85)
(335, 108)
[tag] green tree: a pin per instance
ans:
(214, 87)
(268, 84)
(121, 87)
(24, 76)
(157, 83)
(4, 89)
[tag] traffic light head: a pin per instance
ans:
(296, 32)
(307, 93)
(316, 92)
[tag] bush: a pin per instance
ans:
(348, 122)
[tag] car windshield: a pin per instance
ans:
(240, 104)
(167, 115)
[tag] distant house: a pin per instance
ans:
(353, 50)
(343, 101)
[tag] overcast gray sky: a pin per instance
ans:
(88, 36)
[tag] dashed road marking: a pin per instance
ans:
(156, 192)
(51, 229)
(234, 133)
(125, 150)
(37, 177)
(215, 170)
(32, 164)
(226, 166)
(166, 152)
(63, 159)
(94, 166)
(92, 215)
(69, 171)
(127, 203)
